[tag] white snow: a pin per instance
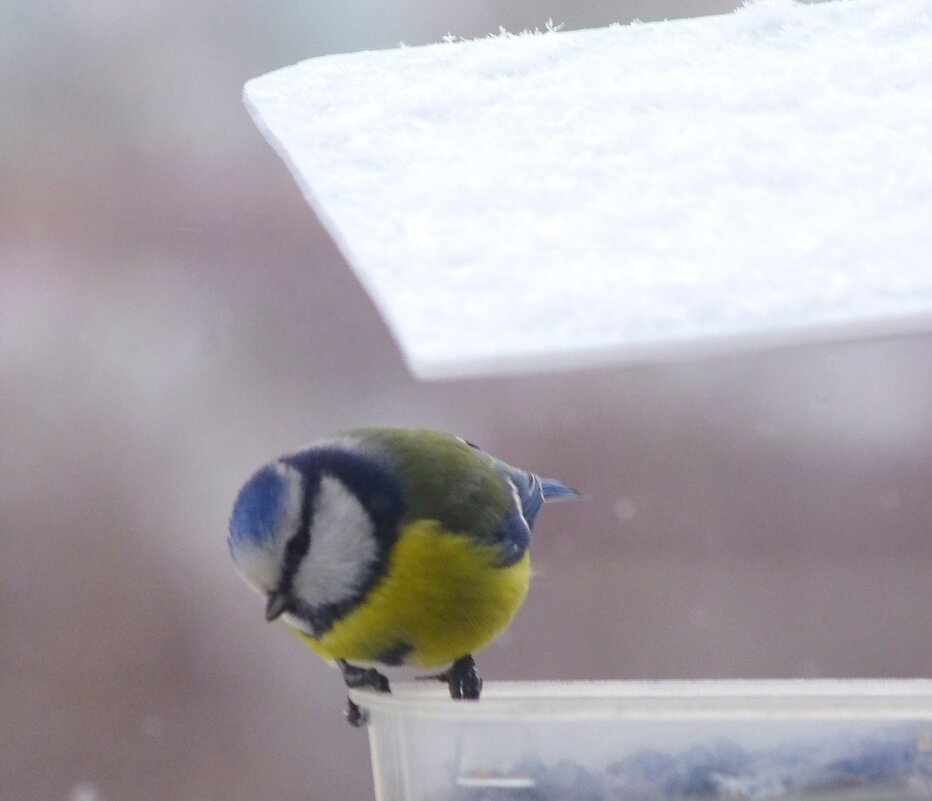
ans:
(657, 190)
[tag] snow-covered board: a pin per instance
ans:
(522, 203)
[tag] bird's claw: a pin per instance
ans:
(463, 678)
(355, 715)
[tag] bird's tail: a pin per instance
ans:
(554, 490)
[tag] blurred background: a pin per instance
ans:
(172, 316)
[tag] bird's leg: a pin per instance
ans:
(462, 677)
(354, 677)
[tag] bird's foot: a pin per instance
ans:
(355, 715)
(462, 677)
(355, 677)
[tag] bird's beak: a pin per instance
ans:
(277, 603)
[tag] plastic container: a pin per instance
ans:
(647, 741)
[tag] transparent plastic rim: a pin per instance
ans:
(674, 700)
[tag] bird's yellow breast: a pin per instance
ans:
(442, 596)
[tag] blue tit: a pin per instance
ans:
(391, 547)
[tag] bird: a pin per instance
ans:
(381, 547)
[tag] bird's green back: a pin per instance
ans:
(446, 480)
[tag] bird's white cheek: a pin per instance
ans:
(343, 547)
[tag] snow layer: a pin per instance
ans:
(564, 199)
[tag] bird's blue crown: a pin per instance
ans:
(258, 508)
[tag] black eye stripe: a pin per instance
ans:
(297, 545)
(300, 543)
